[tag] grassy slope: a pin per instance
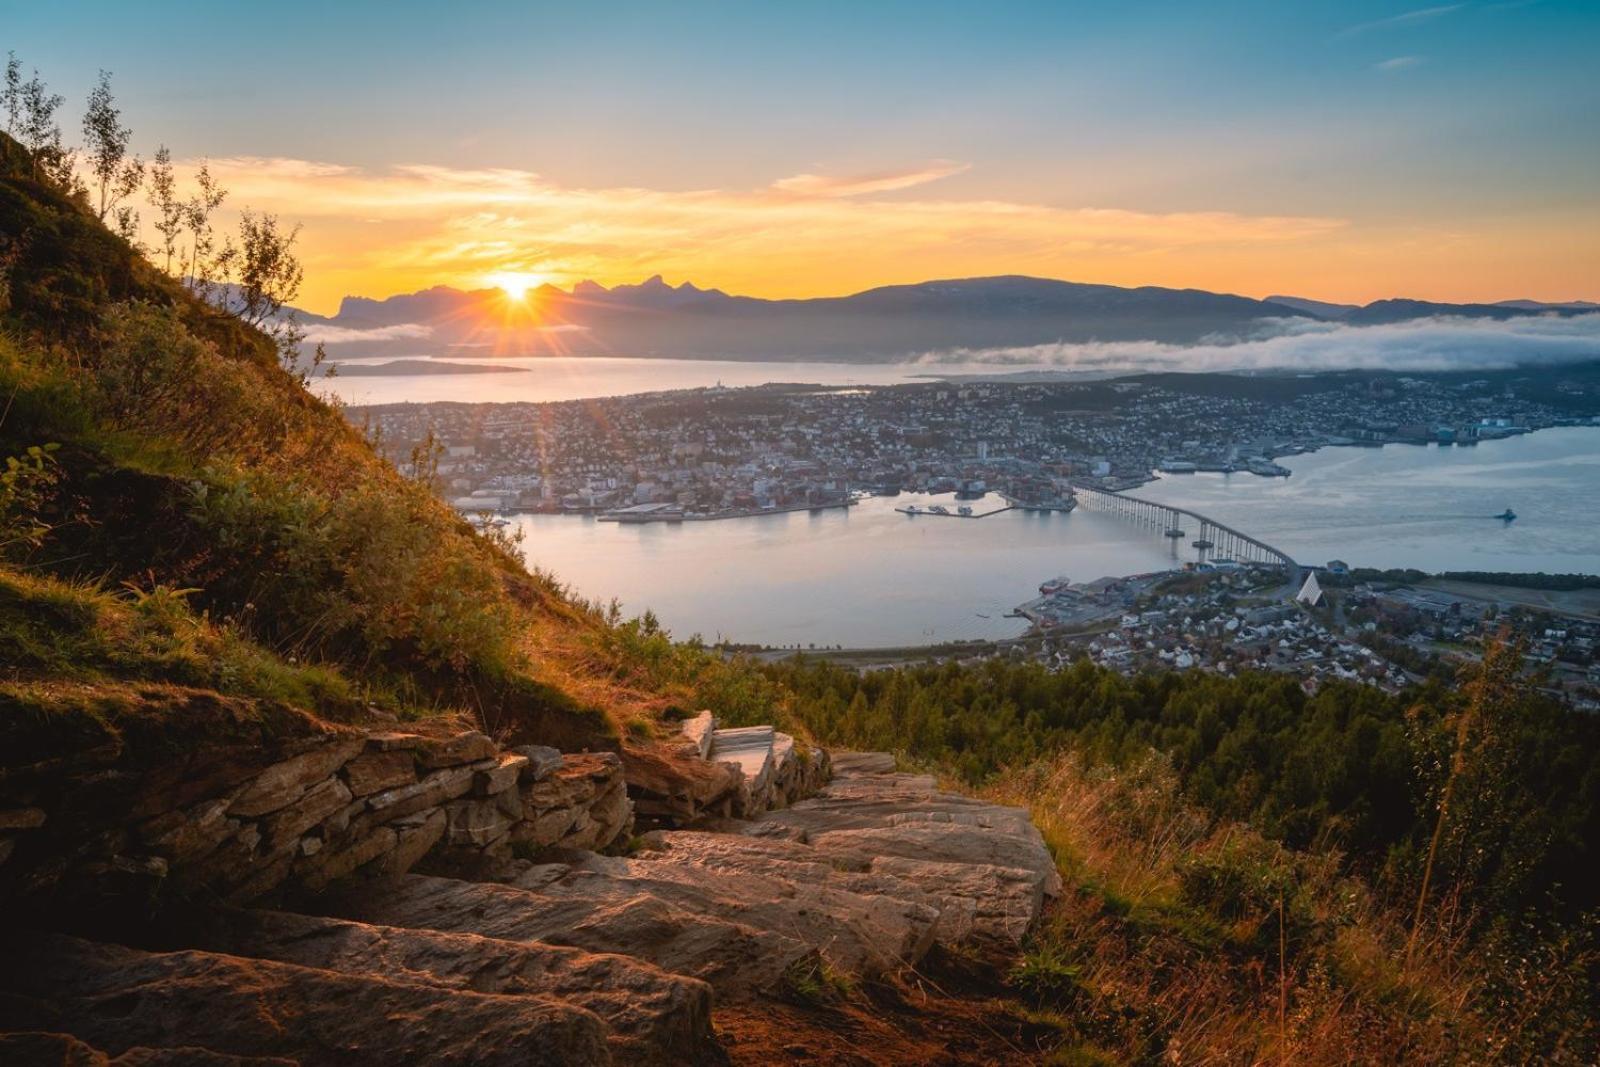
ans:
(192, 472)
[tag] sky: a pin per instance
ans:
(1342, 151)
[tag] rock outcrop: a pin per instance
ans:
(523, 943)
(322, 809)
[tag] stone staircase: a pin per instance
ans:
(760, 872)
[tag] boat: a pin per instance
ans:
(1507, 515)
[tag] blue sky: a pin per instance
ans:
(1475, 121)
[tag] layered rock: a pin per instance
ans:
(116, 999)
(720, 773)
(651, 1016)
(323, 808)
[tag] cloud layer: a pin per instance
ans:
(409, 227)
(1431, 344)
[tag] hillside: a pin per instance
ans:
(891, 322)
(297, 766)
(888, 323)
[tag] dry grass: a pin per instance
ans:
(1186, 941)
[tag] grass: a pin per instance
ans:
(77, 631)
(1186, 939)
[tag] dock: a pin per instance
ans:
(946, 513)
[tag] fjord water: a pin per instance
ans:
(865, 576)
(1426, 507)
(871, 577)
(556, 378)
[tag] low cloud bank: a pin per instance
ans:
(318, 334)
(1430, 344)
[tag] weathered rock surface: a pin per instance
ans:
(63, 1050)
(117, 999)
(564, 956)
(559, 906)
(651, 1017)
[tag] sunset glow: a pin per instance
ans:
(515, 283)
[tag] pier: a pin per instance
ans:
(1211, 537)
(946, 513)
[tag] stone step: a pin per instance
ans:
(868, 813)
(750, 749)
(559, 905)
(978, 905)
(861, 934)
(64, 1050)
(652, 1017)
(116, 999)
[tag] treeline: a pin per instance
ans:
(1538, 580)
(1514, 579)
(1349, 767)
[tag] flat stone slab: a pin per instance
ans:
(976, 903)
(860, 934)
(558, 906)
(651, 1017)
(698, 731)
(117, 999)
(846, 763)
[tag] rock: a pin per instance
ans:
(853, 763)
(375, 771)
(698, 732)
(507, 769)
(415, 836)
(469, 747)
(7, 846)
(192, 833)
(284, 826)
(66, 1051)
(750, 749)
(117, 998)
(674, 790)
(653, 1018)
(394, 741)
(541, 761)
(331, 864)
(586, 912)
(284, 783)
(21, 818)
(865, 935)
(476, 823)
(430, 792)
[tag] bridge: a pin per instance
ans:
(1212, 538)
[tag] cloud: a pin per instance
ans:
(410, 226)
(1409, 18)
(1431, 344)
(1398, 63)
(864, 184)
(318, 334)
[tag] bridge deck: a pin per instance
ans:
(1278, 554)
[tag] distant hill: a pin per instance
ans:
(891, 322)
(1320, 308)
(1542, 305)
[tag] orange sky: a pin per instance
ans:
(376, 233)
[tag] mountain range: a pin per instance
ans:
(654, 318)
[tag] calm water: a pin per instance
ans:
(863, 577)
(1423, 507)
(872, 577)
(577, 378)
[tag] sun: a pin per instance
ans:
(516, 283)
